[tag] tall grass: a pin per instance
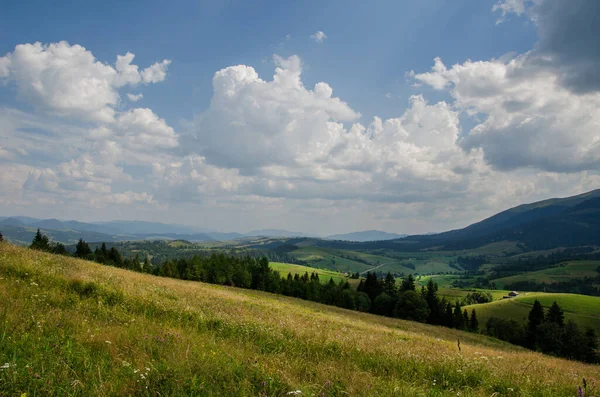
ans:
(71, 327)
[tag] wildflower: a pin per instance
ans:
(34, 283)
(5, 366)
(294, 392)
(579, 392)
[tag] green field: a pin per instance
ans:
(346, 261)
(583, 309)
(324, 275)
(442, 280)
(72, 327)
(563, 272)
(452, 294)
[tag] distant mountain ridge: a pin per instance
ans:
(367, 235)
(557, 222)
(22, 229)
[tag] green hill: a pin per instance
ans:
(71, 327)
(324, 275)
(535, 225)
(561, 272)
(583, 309)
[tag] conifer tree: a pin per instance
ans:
(473, 323)
(408, 284)
(82, 249)
(535, 319)
(40, 242)
(457, 317)
(556, 315)
(389, 285)
(435, 309)
(448, 316)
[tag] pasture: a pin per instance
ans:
(72, 327)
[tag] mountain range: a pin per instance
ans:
(21, 229)
(367, 235)
(557, 222)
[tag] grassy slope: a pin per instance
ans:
(564, 272)
(453, 294)
(584, 310)
(330, 258)
(77, 328)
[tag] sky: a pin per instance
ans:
(316, 116)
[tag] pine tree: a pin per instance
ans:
(473, 323)
(457, 317)
(408, 284)
(40, 242)
(592, 355)
(1, 237)
(435, 309)
(389, 285)
(448, 316)
(535, 319)
(82, 249)
(556, 315)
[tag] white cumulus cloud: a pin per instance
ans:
(67, 79)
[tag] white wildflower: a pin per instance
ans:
(5, 366)
(294, 393)
(34, 283)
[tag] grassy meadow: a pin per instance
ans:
(452, 294)
(75, 328)
(354, 261)
(582, 309)
(324, 275)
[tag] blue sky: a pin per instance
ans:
(368, 50)
(389, 149)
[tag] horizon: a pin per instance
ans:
(229, 116)
(207, 230)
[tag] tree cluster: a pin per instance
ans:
(405, 302)
(42, 243)
(547, 332)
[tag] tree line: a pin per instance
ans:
(548, 333)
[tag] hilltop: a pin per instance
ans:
(558, 222)
(72, 326)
